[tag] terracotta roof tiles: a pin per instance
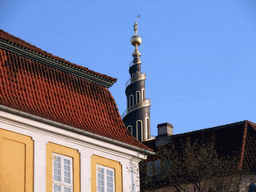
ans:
(38, 89)
(21, 43)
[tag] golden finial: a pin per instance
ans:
(136, 40)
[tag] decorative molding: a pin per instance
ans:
(107, 142)
(54, 63)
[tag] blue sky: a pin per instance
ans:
(199, 56)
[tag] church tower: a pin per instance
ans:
(137, 115)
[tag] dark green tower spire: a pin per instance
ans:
(137, 115)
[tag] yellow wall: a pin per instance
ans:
(16, 162)
(73, 153)
(108, 163)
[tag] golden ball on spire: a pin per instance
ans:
(136, 40)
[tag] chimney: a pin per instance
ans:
(164, 131)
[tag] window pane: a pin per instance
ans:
(110, 180)
(101, 183)
(105, 179)
(57, 168)
(57, 188)
(67, 174)
(139, 130)
(62, 173)
(66, 189)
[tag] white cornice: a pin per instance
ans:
(76, 133)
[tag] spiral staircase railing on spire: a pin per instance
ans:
(141, 104)
(139, 77)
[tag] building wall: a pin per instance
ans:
(16, 162)
(33, 143)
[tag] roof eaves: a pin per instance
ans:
(73, 129)
(56, 62)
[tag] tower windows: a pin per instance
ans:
(130, 128)
(137, 96)
(147, 128)
(137, 74)
(132, 76)
(143, 95)
(139, 130)
(131, 100)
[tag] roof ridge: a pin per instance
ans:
(25, 45)
(251, 123)
(210, 128)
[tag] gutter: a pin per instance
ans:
(76, 130)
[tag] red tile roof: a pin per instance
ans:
(19, 42)
(35, 88)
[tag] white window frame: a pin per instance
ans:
(143, 95)
(62, 183)
(98, 167)
(147, 128)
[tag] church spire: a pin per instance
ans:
(137, 115)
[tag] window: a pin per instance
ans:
(130, 128)
(143, 95)
(131, 100)
(137, 96)
(72, 156)
(137, 74)
(99, 171)
(139, 130)
(105, 179)
(62, 173)
(147, 127)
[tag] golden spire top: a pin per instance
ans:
(136, 40)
